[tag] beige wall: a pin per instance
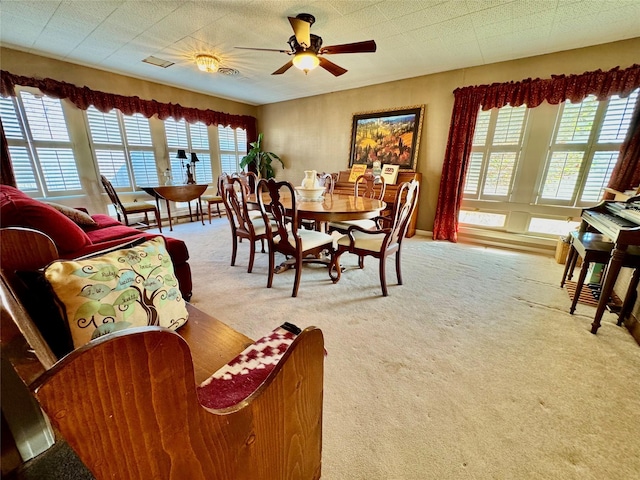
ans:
(314, 133)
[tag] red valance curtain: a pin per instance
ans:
(469, 100)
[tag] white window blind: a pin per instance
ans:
(38, 139)
(233, 146)
(192, 138)
(122, 146)
(496, 148)
(585, 149)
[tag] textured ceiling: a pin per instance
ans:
(414, 37)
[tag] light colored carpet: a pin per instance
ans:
(473, 369)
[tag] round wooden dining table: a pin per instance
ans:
(334, 207)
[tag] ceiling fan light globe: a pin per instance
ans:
(207, 63)
(306, 61)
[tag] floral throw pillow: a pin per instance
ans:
(125, 288)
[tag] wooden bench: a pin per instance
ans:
(344, 186)
(127, 403)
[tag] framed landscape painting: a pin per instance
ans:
(389, 136)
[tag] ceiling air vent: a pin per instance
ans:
(158, 62)
(228, 71)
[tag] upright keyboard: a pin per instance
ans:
(620, 221)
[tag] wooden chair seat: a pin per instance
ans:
(123, 210)
(210, 200)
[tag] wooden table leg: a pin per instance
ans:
(609, 281)
(169, 215)
(199, 209)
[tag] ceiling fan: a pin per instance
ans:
(306, 48)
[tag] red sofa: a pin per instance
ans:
(74, 240)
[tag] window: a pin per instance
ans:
(192, 138)
(532, 169)
(123, 148)
(584, 150)
(233, 146)
(493, 163)
(39, 144)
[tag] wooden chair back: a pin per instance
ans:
(367, 187)
(113, 196)
(243, 224)
(278, 217)
(327, 180)
(405, 204)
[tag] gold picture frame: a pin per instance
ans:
(390, 136)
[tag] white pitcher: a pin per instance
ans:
(310, 179)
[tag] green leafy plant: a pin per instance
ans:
(260, 159)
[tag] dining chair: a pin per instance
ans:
(210, 200)
(384, 240)
(283, 236)
(326, 180)
(242, 224)
(123, 210)
(366, 187)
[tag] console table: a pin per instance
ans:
(177, 193)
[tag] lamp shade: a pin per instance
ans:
(182, 154)
(306, 61)
(194, 157)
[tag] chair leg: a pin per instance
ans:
(361, 261)
(335, 271)
(252, 256)
(383, 276)
(234, 249)
(158, 222)
(570, 259)
(296, 282)
(209, 208)
(272, 266)
(398, 269)
(583, 275)
(573, 263)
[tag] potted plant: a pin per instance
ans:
(261, 160)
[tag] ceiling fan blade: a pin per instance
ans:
(301, 29)
(368, 46)
(331, 67)
(265, 49)
(283, 68)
